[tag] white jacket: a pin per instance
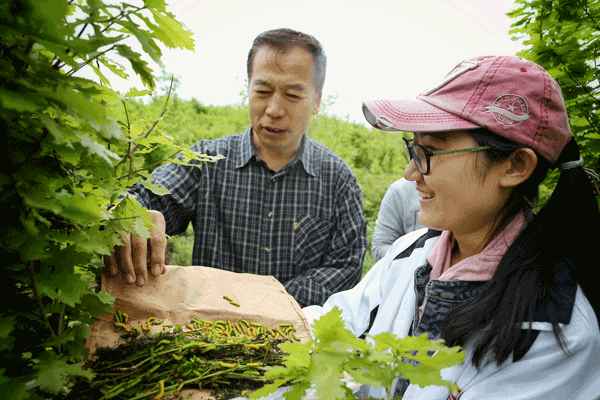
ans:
(544, 372)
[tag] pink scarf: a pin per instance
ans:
(479, 267)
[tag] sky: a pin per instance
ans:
(375, 48)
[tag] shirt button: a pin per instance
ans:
(267, 249)
(270, 214)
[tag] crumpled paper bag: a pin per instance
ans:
(183, 293)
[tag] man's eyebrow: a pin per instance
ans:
(297, 86)
(261, 82)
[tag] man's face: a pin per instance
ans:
(282, 100)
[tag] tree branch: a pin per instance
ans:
(579, 84)
(586, 10)
(164, 110)
(71, 72)
(38, 298)
(148, 166)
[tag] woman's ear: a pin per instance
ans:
(518, 167)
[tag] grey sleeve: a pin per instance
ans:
(397, 216)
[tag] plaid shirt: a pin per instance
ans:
(304, 224)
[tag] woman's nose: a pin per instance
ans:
(411, 172)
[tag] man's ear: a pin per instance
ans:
(518, 167)
(317, 104)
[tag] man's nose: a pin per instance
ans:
(276, 107)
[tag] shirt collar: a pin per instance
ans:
(306, 155)
(246, 149)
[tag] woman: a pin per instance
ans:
(512, 288)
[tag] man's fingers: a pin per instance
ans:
(139, 251)
(110, 265)
(124, 260)
(158, 244)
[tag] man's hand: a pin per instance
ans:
(130, 260)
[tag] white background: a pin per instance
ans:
(375, 48)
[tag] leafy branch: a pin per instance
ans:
(377, 361)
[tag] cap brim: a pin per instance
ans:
(412, 116)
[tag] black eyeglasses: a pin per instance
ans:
(422, 156)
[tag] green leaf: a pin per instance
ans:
(133, 92)
(155, 188)
(327, 376)
(7, 326)
(145, 39)
(53, 371)
(299, 354)
(98, 149)
(169, 31)
(267, 389)
(114, 67)
(139, 66)
(21, 102)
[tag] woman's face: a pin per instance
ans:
(459, 194)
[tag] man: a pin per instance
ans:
(279, 203)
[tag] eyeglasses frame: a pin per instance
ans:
(428, 154)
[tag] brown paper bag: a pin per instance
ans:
(184, 293)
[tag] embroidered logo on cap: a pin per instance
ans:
(509, 109)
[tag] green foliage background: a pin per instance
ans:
(376, 157)
(563, 36)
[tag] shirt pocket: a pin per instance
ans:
(310, 237)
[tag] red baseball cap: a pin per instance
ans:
(508, 95)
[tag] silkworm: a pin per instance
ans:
(253, 364)
(120, 325)
(228, 365)
(161, 391)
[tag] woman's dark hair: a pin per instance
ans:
(556, 246)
